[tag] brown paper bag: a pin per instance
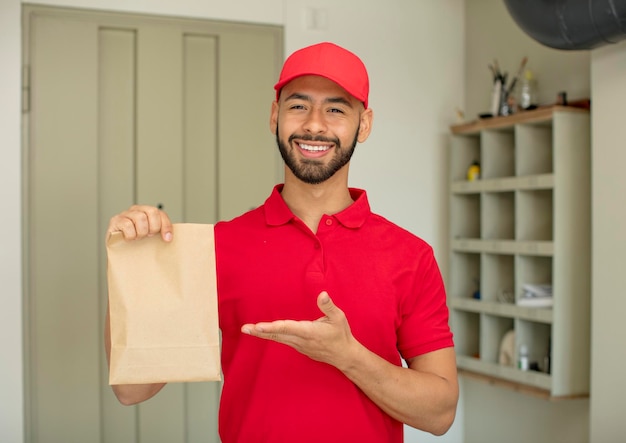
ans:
(163, 307)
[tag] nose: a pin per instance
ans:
(315, 122)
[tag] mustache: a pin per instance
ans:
(310, 138)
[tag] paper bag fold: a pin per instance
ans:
(163, 307)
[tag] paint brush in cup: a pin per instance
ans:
(519, 73)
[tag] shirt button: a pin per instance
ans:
(317, 245)
(329, 221)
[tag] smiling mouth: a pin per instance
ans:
(314, 148)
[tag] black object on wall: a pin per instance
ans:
(571, 24)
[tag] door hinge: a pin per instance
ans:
(26, 89)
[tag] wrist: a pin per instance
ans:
(351, 357)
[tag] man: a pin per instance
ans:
(319, 298)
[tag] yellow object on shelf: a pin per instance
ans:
(473, 172)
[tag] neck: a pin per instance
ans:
(310, 202)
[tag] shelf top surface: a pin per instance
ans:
(542, 114)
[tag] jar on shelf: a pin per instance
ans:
(528, 91)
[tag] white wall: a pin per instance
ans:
(414, 51)
(608, 384)
(11, 402)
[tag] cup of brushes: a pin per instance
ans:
(502, 99)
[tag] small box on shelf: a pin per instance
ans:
(536, 296)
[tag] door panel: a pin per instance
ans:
(64, 363)
(247, 147)
(116, 190)
(200, 190)
(200, 128)
(159, 105)
(129, 109)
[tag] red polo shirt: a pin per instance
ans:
(270, 266)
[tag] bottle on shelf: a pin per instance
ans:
(523, 363)
(528, 91)
(548, 359)
(473, 172)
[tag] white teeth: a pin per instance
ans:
(314, 148)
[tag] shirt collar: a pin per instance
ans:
(278, 213)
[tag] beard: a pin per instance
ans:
(314, 171)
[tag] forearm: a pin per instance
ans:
(421, 398)
(128, 394)
(132, 394)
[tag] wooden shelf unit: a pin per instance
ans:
(526, 220)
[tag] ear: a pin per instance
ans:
(274, 118)
(365, 125)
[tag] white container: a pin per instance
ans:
(523, 363)
(528, 91)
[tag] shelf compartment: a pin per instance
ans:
(534, 216)
(464, 275)
(497, 276)
(498, 154)
(532, 269)
(537, 337)
(466, 329)
(492, 331)
(533, 149)
(465, 150)
(465, 216)
(498, 216)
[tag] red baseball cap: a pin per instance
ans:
(330, 61)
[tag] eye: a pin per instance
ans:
(336, 111)
(297, 106)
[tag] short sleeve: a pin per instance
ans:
(424, 313)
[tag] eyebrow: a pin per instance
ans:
(339, 100)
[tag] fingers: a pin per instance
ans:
(282, 328)
(270, 330)
(326, 305)
(332, 314)
(141, 221)
(166, 227)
